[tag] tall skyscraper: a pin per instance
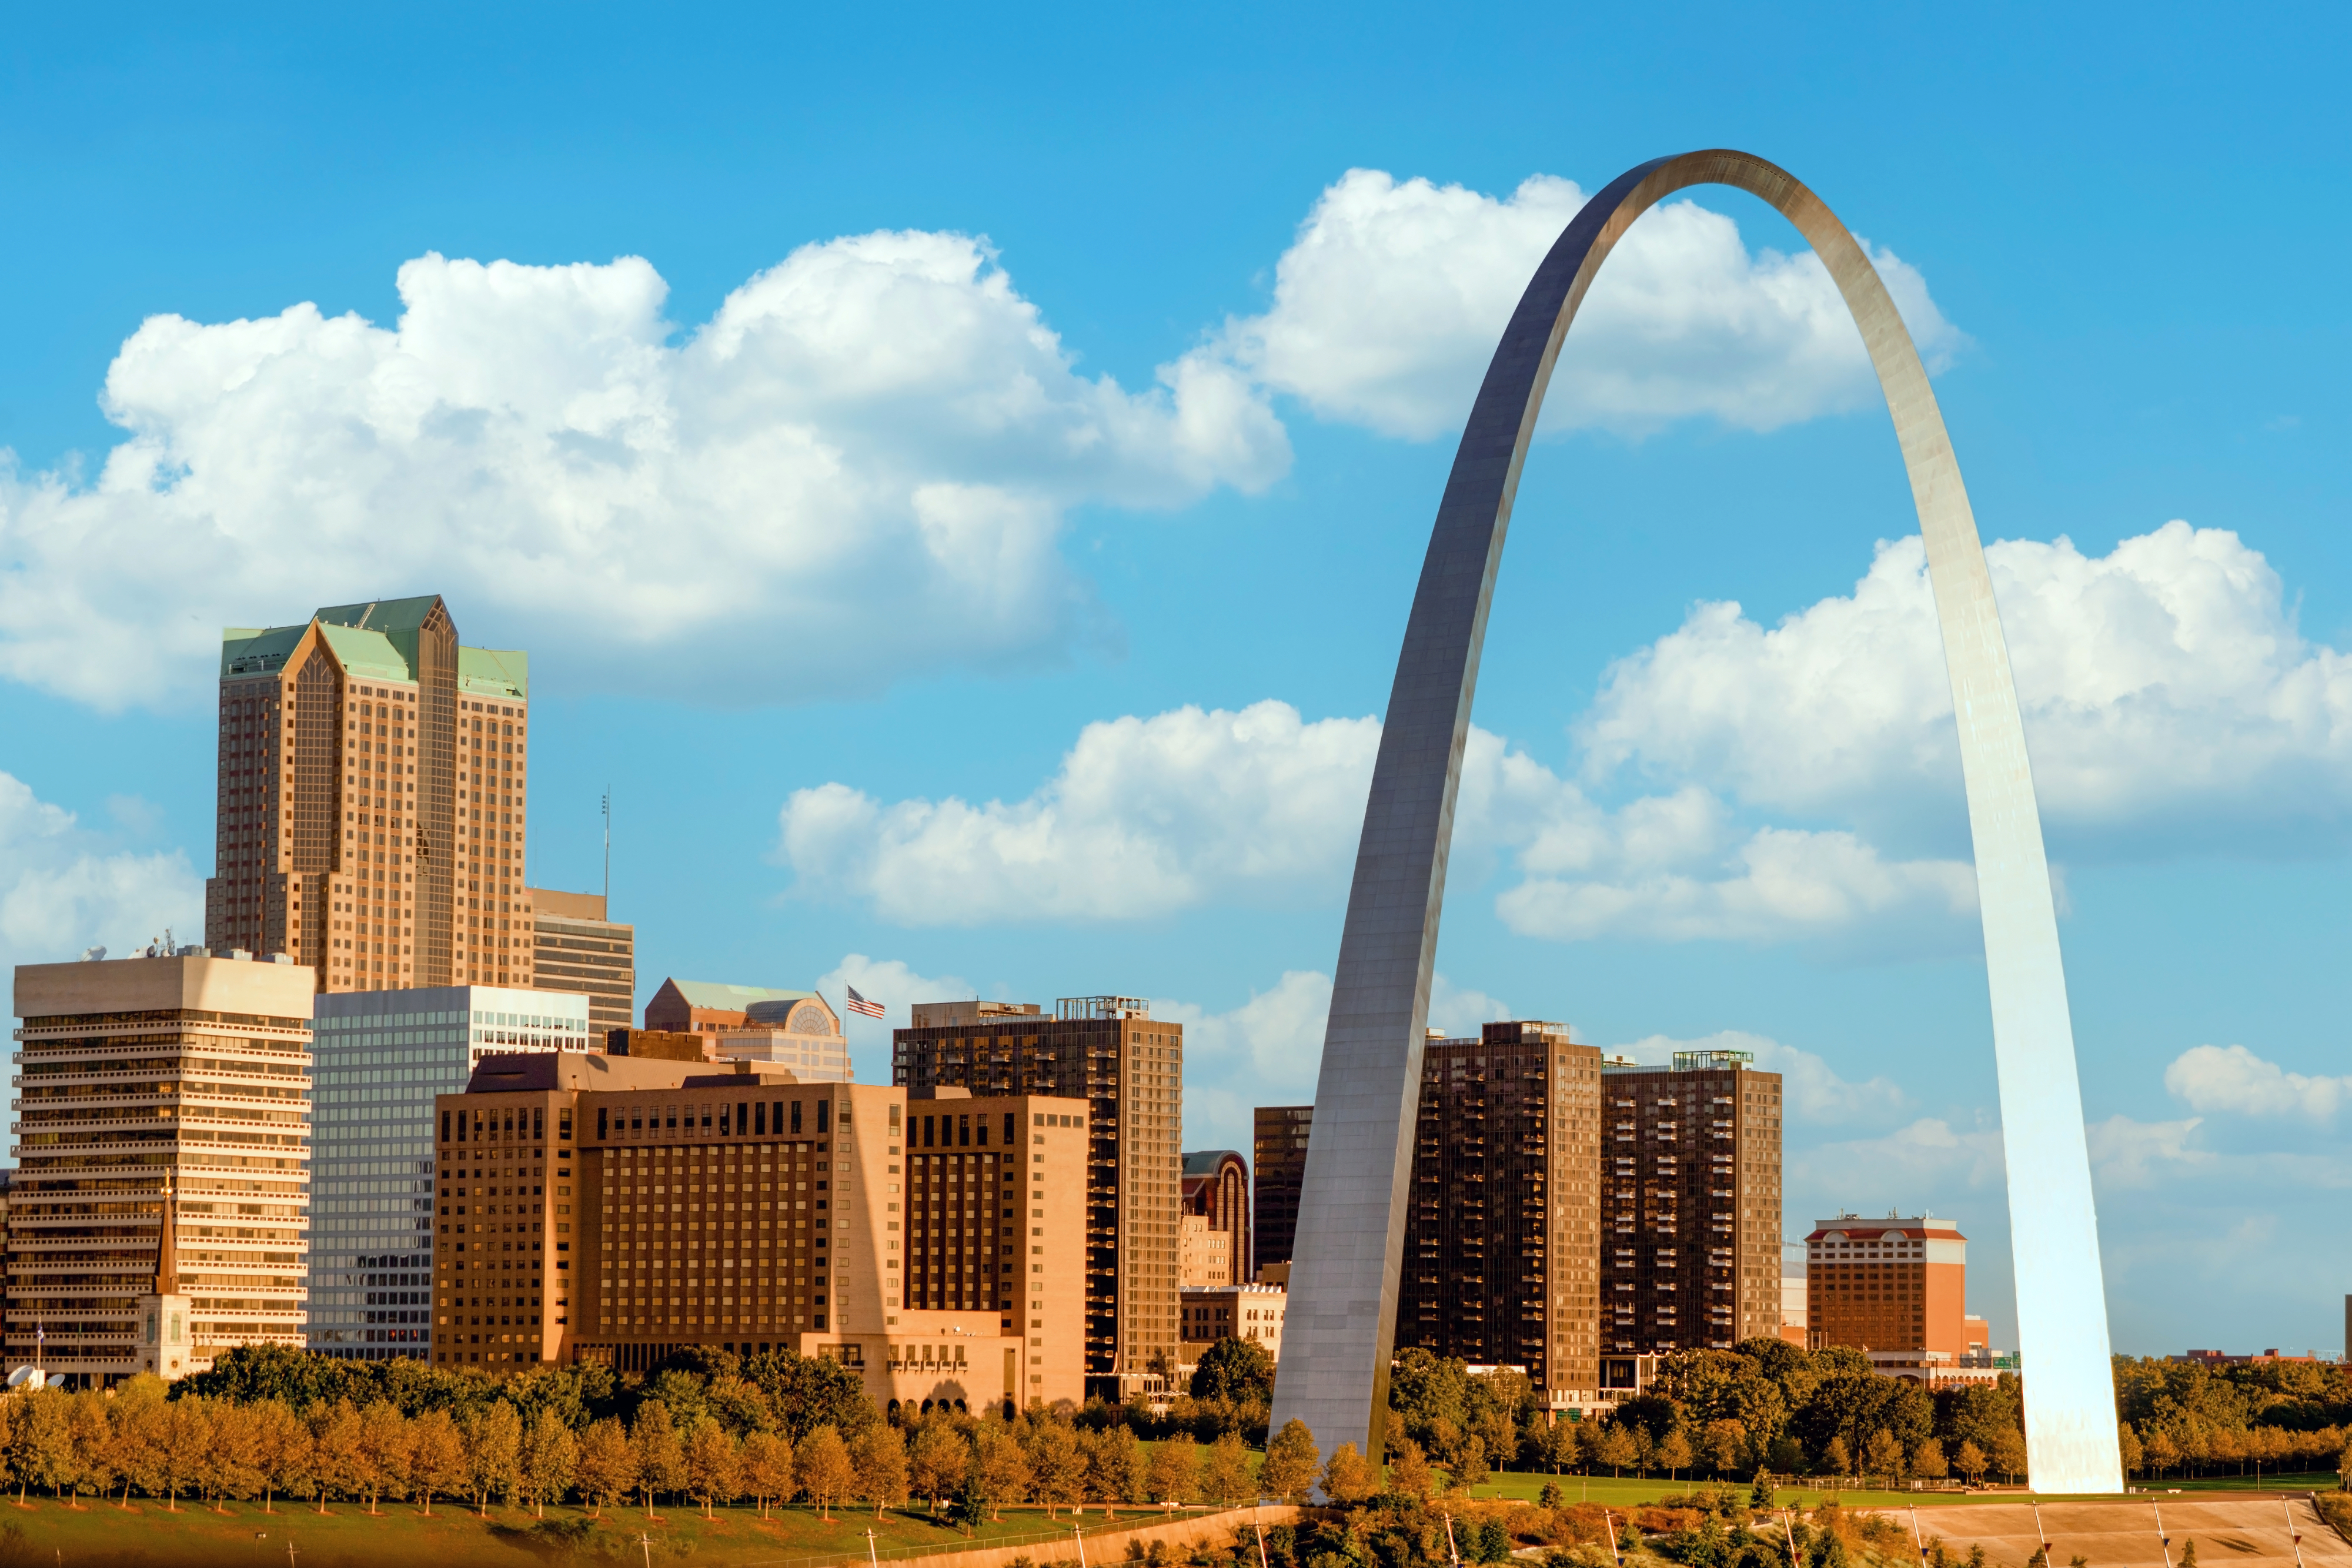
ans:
(1892, 1284)
(579, 949)
(373, 775)
(148, 1087)
(1129, 1068)
(1502, 1252)
(1216, 1220)
(1691, 1203)
(1278, 1148)
(382, 1057)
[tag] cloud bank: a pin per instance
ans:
(64, 888)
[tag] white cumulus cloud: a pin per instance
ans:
(2164, 686)
(2230, 1078)
(1148, 816)
(857, 468)
(64, 888)
(1387, 303)
(1813, 1091)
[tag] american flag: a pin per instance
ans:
(858, 1004)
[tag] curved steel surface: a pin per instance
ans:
(1339, 1336)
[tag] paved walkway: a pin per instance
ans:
(2122, 1533)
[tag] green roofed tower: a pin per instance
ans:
(373, 775)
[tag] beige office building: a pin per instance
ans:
(577, 948)
(146, 1084)
(618, 1208)
(1253, 1312)
(373, 775)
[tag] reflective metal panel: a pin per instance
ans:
(1339, 1337)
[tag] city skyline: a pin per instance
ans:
(891, 687)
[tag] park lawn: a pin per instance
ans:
(48, 1532)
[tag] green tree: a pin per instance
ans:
(767, 1467)
(1673, 1453)
(877, 1463)
(1836, 1457)
(383, 1451)
(1884, 1458)
(661, 1458)
(1002, 1464)
(1927, 1461)
(1724, 1446)
(1225, 1472)
(2008, 1454)
(1347, 1475)
(1175, 1470)
(1057, 1469)
(493, 1443)
(550, 1456)
(937, 1461)
(335, 1447)
(1408, 1473)
(93, 1440)
(1116, 1473)
(821, 1464)
(285, 1450)
(187, 1432)
(437, 1457)
(1237, 1370)
(713, 1464)
(1969, 1461)
(1470, 1471)
(1615, 1448)
(810, 1391)
(607, 1466)
(1289, 1468)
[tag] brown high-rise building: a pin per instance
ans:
(1502, 1251)
(1216, 1220)
(373, 774)
(578, 949)
(1129, 1067)
(1278, 1148)
(1690, 1158)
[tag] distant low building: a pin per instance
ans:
(1214, 1245)
(1251, 1313)
(796, 1030)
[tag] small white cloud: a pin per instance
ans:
(1913, 1166)
(1815, 1094)
(2129, 1154)
(2230, 1078)
(1388, 305)
(895, 985)
(63, 889)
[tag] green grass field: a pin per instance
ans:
(48, 1532)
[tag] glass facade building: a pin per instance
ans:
(381, 1056)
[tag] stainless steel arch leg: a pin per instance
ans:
(1340, 1333)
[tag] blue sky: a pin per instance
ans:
(960, 475)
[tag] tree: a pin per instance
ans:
(1673, 1452)
(1927, 1461)
(383, 1450)
(1470, 1471)
(1116, 1473)
(493, 1440)
(768, 1469)
(810, 1391)
(335, 1443)
(1174, 1474)
(878, 1464)
(937, 1461)
(661, 1458)
(2127, 1445)
(1288, 1468)
(2007, 1453)
(1347, 1475)
(1224, 1471)
(2159, 1453)
(284, 1446)
(93, 1440)
(607, 1467)
(1409, 1471)
(1615, 1448)
(821, 1464)
(712, 1464)
(1836, 1457)
(437, 1457)
(1723, 1445)
(139, 1418)
(186, 1428)
(1884, 1458)
(1238, 1370)
(1001, 1465)
(1057, 1471)
(47, 1440)
(550, 1455)
(1969, 1461)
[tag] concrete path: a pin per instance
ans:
(2243, 1533)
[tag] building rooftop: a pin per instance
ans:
(531, 1072)
(1205, 1162)
(716, 996)
(377, 640)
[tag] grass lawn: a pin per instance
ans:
(1623, 1494)
(47, 1532)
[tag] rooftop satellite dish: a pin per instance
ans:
(27, 1377)
(93, 955)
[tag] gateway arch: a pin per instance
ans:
(1339, 1334)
